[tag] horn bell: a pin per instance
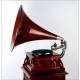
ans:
(26, 30)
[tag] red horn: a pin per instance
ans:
(26, 30)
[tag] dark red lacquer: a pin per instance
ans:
(48, 67)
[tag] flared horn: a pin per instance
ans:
(26, 30)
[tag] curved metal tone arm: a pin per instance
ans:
(63, 46)
(63, 50)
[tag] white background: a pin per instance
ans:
(60, 17)
(0, 42)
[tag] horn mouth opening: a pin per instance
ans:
(16, 27)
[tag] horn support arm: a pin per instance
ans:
(63, 46)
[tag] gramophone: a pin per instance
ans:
(41, 64)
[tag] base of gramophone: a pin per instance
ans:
(43, 67)
(46, 77)
(49, 76)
